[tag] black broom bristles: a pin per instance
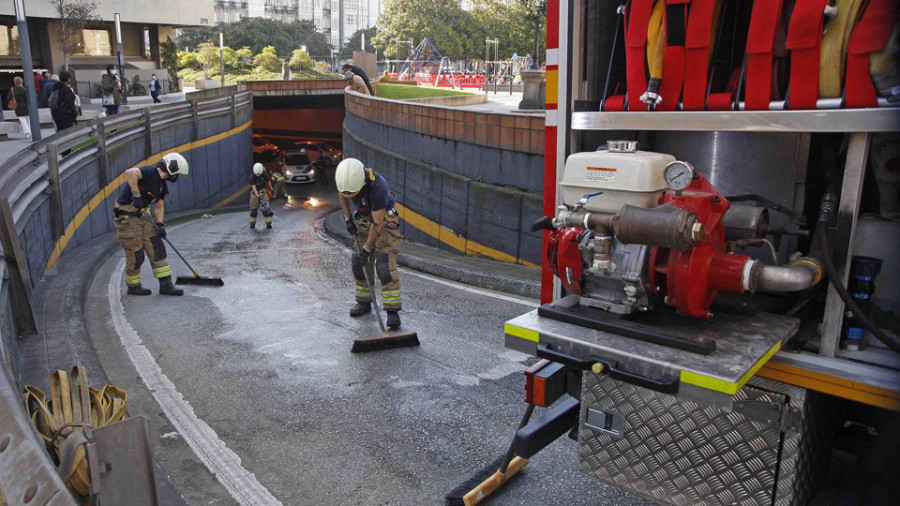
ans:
(455, 496)
(385, 342)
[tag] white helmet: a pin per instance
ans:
(258, 169)
(350, 176)
(175, 165)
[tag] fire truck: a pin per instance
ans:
(720, 264)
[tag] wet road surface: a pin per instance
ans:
(265, 362)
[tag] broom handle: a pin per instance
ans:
(147, 217)
(371, 287)
(512, 447)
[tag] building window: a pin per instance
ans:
(96, 43)
(351, 19)
(9, 40)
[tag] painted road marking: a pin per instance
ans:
(222, 462)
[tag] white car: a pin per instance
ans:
(298, 168)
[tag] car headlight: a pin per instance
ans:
(288, 173)
(312, 171)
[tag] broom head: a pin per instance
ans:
(385, 342)
(199, 280)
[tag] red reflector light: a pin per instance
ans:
(529, 381)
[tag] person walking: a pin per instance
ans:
(18, 95)
(140, 230)
(155, 89)
(260, 186)
(376, 224)
(356, 83)
(362, 74)
(43, 91)
(111, 92)
(62, 102)
(278, 185)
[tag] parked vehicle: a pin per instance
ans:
(262, 146)
(321, 150)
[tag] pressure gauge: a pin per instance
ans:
(679, 175)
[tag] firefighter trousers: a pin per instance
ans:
(385, 258)
(254, 207)
(138, 238)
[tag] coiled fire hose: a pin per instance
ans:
(833, 54)
(62, 421)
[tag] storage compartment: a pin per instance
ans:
(771, 448)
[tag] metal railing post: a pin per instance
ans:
(57, 220)
(19, 280)
(195, 123)
(148, 134)
(102, 162)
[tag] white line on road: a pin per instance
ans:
(222, 462)
(472, 289)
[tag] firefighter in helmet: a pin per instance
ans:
(371, 216)
(140, 230)
(260, 186)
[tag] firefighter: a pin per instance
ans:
(375, 222)
(142, 232)
(278, 185)
(260, 186)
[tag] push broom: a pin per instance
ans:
(196, 279)
(386, 340)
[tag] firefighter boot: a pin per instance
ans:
(138, 290)
(167, 288)
(360, 309)
(393, 319)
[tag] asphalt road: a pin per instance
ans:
(265, 363)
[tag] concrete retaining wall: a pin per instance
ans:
(219, 158)
(467, 182)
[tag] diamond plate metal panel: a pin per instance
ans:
(680, 452)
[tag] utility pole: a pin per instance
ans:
(121, 58)
(222, 58)
(28, 69)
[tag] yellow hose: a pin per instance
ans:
(656, 40)
(833, 54)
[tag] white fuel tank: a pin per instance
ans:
(624, 175)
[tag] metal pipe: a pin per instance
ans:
(798, 276)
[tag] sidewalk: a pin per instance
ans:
(481, 272)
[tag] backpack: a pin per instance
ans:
(53, 101)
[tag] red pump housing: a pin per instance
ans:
(689, 280)
(564, 257)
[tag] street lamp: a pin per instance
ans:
(121, 58)
(28, 69)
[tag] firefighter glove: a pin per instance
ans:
(137, 200)
(160, 230)
(363, 256)
(351, 226)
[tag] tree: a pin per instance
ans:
(451, 29)
(208, 54)
(169, 55)
(189, 60)
(355, 42)
(257, 33)
(73, 16)
(267, 60)
(230, 57)
(244, 57)
(300, 60)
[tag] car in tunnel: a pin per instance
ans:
(321, 152)
(262, 146)
(298, 167)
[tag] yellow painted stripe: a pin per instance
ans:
(110, 189)
(233, 196)
(728, 387)
(552, 86)
(832, 385)
(450, 238)
(530, 335)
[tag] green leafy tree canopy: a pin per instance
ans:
(169, 55)
(258, 33)
(355, 42)
(300, 60)
(268, 60)
(243, 57)
(208, 55)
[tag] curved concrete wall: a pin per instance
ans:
(467, 182)
(214, 137)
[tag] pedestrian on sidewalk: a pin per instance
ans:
(155, 89)
(19, 96)
(111, 90)
(376, 224)
(356, 83)
(141, 231)
(362, 75)
(260, 186)
(62, 102)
